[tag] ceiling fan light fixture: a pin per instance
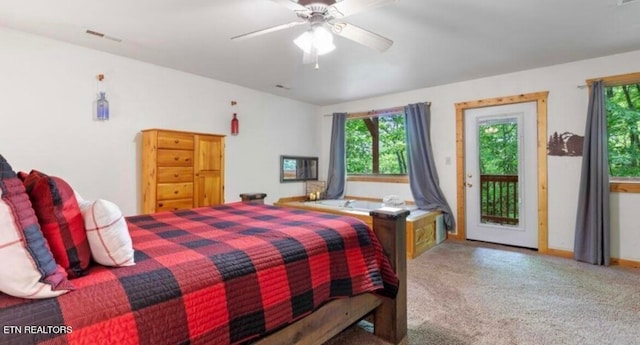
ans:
(319, 38)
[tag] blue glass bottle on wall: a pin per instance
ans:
(102, 108)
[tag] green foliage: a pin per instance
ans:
(623, 122)
(391, 146)
(499, 149)
(359, 148)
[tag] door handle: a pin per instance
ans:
(469, 185)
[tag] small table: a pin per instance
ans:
(254, 198)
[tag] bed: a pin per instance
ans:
(231, 274)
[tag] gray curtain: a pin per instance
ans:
(592, 235)
(337, 158)
(423, 177)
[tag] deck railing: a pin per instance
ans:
(499, 199)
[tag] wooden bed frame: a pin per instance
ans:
(389, 315)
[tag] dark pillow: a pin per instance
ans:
(61, 221)
(27, 267)
(30, 179)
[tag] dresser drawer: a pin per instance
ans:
(175, 158)
(177, 141)
(174, 205)
(168, 191)
(175, 174)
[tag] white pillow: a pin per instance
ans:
(108, 233)
(20, 275)
(27, 267)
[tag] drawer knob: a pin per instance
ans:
(175, 175)
(176, 158)
(160, 204)
(175, 192)
(176, 141)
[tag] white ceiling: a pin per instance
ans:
(435, 41)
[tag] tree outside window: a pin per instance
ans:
(623, 125)
(376, 145)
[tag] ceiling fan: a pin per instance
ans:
(320, 14)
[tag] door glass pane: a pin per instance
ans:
(499, 159)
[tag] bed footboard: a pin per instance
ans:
(390, 318)
(389, 315)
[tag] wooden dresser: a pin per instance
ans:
(181, 170)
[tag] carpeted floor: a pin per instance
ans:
(475, 293)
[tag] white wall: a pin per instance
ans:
(567, 109)
(47, 89)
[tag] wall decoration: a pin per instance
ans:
(565, 144)
(102, 105)
(235, 123)
(235, 129)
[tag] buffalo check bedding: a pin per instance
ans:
(219, 275)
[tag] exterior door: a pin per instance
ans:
(501, 174)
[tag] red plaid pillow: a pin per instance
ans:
(61, 221)
(30, 179)
(28, 269)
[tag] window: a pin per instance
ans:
(623, 123)
(376, 148)
(622, 97)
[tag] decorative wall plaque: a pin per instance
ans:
(565, 144)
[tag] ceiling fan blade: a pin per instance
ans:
(349, 7)
(362, 36)
(294, 6)
(267, 30)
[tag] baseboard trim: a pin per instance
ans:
(559, 252)
(625, 263)
(567, 254)
(614, 261)
(455, 237)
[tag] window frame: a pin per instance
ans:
(387, 178)
(378, 178)
(620, 185)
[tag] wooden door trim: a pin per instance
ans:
(541, 99)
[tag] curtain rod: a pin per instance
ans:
(376, 112)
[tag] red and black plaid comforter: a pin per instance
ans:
(209, 276)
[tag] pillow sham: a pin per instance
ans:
(60, 219)
(28, 268)
(29, 180)
(108, 233)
